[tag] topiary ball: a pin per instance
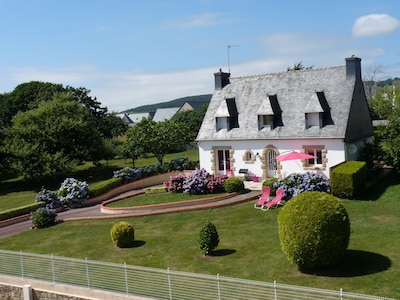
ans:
(233, 184)
(314, 230)
(122, 234)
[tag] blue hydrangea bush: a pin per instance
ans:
(49, 197)
(73, 192)
(298, 183)
(129, 174)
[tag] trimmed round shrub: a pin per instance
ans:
(208, 238)
(122, 234)
(234, 184)
(314, 230)
(43, 218)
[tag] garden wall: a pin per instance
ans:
(135, 185)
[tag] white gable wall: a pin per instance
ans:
(335, 154)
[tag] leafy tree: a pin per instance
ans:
(192, 119)
(158, 138)
(52, 138)
(166, 137)
(391, 141)
(385, 102)
(109, 125)
(24, 97)
(134, 146)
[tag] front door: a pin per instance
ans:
(224, 161)
(271, 154)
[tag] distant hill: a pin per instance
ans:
(173, 103)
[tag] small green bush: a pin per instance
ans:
(270, 182)
(208, 238)
(233, 184)
(122, 234)
(314, 230)
(43, 217)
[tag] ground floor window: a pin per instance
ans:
(319, 161)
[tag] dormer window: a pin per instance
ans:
(318, 112)
(313, 119)
(227, 116)
(269, 113)
(265, 121)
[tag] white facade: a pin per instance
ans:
(256, 158)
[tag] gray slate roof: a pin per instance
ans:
(163, 114)
(296, 94)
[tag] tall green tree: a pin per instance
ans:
(385, 102)
(158, 138)
(192, 119)
(52, 138)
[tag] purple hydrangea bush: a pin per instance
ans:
(196, 183)
(175, 183)
(298, 183)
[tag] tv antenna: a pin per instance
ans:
(228, 49)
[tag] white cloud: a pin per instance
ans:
(375, 24)
(202, 20)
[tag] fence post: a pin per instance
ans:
(169, 284)
(275, 291)
(219, 288)
(53, 269)
(22, 263)
(87, 273)
(126, 279)
(341, 294)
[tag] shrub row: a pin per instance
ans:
(348, 179)
(101, 187)
(19, 211)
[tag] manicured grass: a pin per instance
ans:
(16, 193)
(249, 244)
(147, 199)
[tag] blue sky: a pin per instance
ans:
(136, 52)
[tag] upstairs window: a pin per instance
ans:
(227, 116)
(269, 113)
(318, 112)
(222, 123)
(313, 119)
(265, 121)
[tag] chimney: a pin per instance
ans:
(221, 80)
(353, 67)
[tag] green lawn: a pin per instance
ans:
(249, 244)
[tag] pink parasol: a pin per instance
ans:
(293, 156)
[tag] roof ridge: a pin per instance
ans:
(286, 72)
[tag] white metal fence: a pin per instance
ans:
(155, 283)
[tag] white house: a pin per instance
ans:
(250, 120)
